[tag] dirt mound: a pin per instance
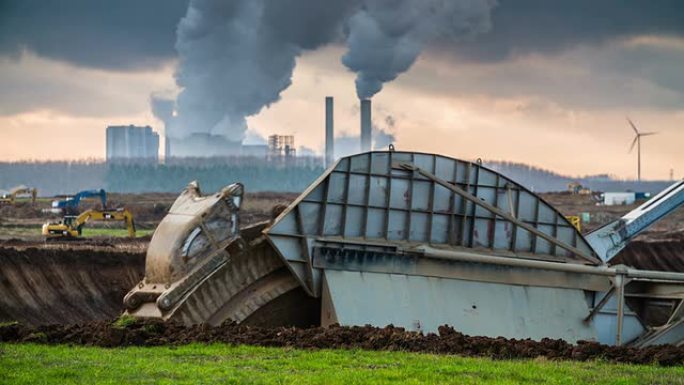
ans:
(662, 255)
(56, 285)
(448, 341)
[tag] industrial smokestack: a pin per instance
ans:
(366, 126)
(167, 148)
(329, 132)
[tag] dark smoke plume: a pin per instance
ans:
(236, 57)
(386, 36)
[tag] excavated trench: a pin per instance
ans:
(65, 286)
(661, 255)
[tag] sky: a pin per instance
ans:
(544, 83)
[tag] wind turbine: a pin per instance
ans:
(637, 142)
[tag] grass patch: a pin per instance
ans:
(124, 321)
(8, 323)
(223, 364)
(35, 231)
(112, 232)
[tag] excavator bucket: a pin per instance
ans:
(202, 268)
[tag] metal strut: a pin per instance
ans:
(499, 212)
(610, 239)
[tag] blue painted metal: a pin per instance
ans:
(606, 323)
(610, 239)
(74, 201)
(425, 303)
(366, 197)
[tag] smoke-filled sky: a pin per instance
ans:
(548, 83)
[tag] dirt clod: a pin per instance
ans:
(446, 341)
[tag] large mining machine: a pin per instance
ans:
(415, 240)
(71, 226)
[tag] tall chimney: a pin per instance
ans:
(366, 126)
(167, 147)
(329, 132)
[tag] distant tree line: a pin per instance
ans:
(542, 180)
(212, 177)
(60, 178)
(257, 174)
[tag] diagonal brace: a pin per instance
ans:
(497, 211)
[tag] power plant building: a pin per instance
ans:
(281, 146)
(132, 143)
(204, 145)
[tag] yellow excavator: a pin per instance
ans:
(10, 197)
(71, 225)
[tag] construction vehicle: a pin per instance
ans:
(415, 240)
(576, 221)
(71, 226)
(70, 204)
(575, 188)
(10, 197)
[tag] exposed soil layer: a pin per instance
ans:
(448, 341)
(662, 255)
(57, 285)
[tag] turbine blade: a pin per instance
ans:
(633, 126)
(648, 133)
(636, 138)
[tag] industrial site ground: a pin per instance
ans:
(61, 304)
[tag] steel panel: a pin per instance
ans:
(368, 197)
(474, 308)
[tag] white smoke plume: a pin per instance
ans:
(386, 36)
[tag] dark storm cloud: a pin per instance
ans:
(121, 35)
(543, 26)
(131, 34)
(235, 58)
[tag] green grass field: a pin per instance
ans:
(112, 232)
(223, 364)
(35, 232)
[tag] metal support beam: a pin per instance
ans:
(499, 212)
(600, 305)
(620, 293)
(556, 266)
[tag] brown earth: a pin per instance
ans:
(447, 341)
(148, 210)
(82, 282)
(661, 255)
(574, 204)
(57, 285)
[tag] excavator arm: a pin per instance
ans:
(73, 228)
(610, 239)
(11, 197)
(74, 201)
